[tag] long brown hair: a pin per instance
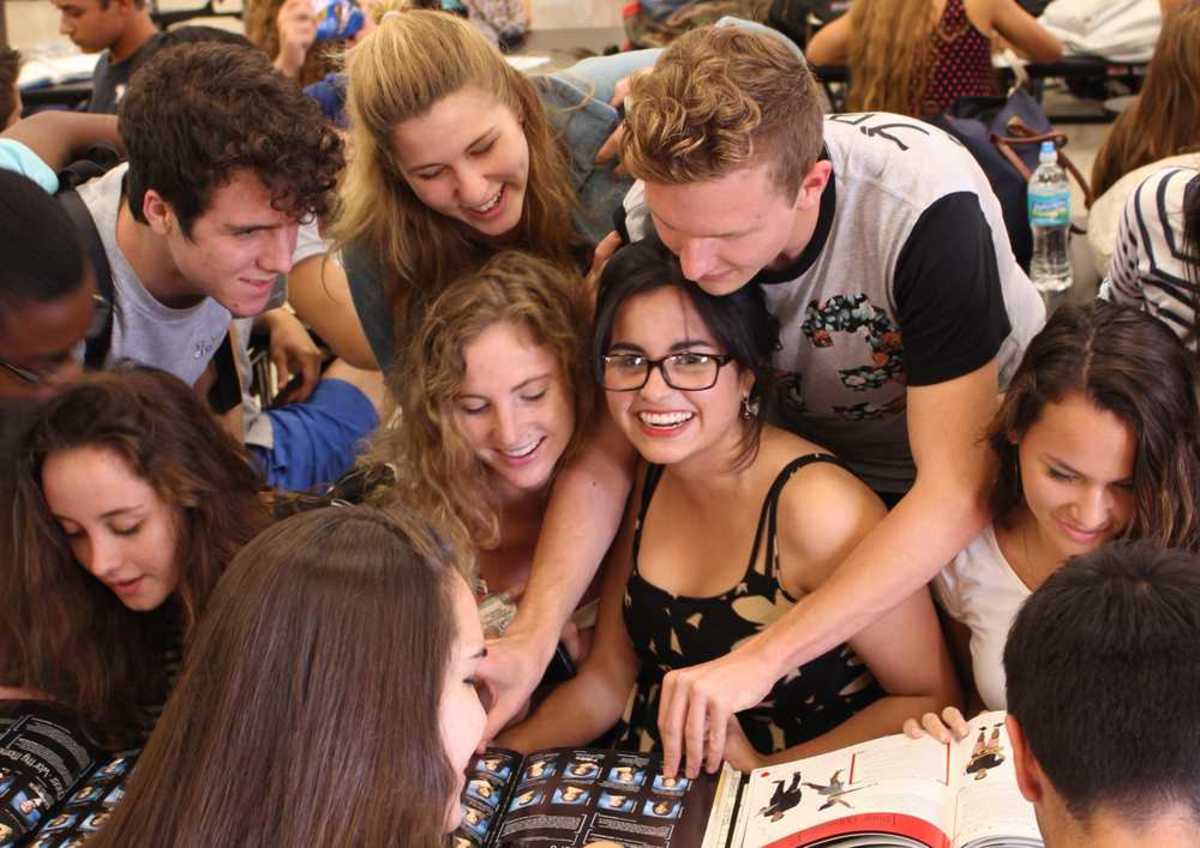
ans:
(1133, 366)
(1165, 119)
(439, 473)
(410, 62)
(308, 709)
(70, 636)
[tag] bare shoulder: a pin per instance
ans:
(824, 511)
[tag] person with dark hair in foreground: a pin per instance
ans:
(47, 305)
(1103, 666)
(46, 292)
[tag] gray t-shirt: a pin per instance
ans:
(180, 341)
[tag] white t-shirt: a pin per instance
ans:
(980, 589)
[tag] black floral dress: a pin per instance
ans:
(670, 632)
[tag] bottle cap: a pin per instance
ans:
(1048, 153)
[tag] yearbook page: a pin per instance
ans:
(893, 791)
(55, 787)
(575, 797)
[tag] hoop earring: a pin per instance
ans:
(749, 408)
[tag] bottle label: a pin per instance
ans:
(1050, 210)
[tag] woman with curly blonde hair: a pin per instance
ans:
(493, 398)
(915, 57)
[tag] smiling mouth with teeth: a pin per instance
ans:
(665, 419)
(521, 452)
(490, 205)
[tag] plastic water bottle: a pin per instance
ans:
(1050, 219)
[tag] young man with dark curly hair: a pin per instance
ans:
(226, 159)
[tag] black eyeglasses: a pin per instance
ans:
(100, 315)
(687, 372)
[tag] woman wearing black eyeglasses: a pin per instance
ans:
(732, 521)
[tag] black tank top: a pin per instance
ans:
(670, 632)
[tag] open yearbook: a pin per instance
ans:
(55, 787)
(893, 791)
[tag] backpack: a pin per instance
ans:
(1004, 136)
(98, 160)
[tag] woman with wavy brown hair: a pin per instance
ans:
(129, 501)
(1098, 438)
(329, 697)
(495, 395)
(1165, 119)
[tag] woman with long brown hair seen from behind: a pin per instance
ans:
(129, 501)
(329, 698)
(1165, 119)
(915, 57)
(1098, 438)
(1160, 130)
(495, 395)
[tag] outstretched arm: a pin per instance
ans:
(1022, 30)
(581, 520)
(943, 511)
(820, 523)
(830, 45)
(590, 703)
(59, 137)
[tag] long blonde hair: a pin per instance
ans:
(1165, 119)
(891, 54)
(412, 60)
(439, 473)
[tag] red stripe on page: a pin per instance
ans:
(910, 826)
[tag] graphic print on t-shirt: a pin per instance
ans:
(827, 325)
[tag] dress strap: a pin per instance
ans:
(769, 517)
(654, 473)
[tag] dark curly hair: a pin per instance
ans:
(196, 113)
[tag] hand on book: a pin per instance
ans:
(947, 727)
(513, 671)
(697, 703)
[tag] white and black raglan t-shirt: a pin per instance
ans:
(909, 280)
